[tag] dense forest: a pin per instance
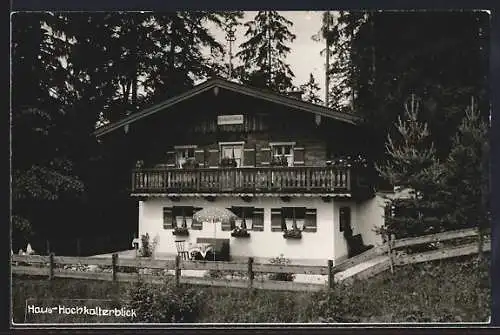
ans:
(74, 71)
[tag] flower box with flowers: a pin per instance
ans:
(190, 164)
(293, 233)
(180, 231)
(279, 161)
(349, 161)
(228, 162)
(240, 232)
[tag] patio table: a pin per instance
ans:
(202, 248)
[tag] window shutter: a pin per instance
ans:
(276, 219)
(168, 218)
(249, 156)
(226, 226)
(310, 222)
(298, 156)
(213, 158)
(196, 225)
(265, 156)
(171, 159)
(199, 157)
(258, 219)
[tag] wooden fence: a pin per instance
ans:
(50, 266)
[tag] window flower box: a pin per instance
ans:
(240, 232)
(228, 162)
(358, 161)
(180, 231)
(292, 234)
(279, 161)
(190, 164)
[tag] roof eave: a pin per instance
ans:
(249, 91)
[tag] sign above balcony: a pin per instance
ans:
(229, 119)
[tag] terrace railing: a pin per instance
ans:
(327, 179)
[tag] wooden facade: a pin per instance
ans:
(258, 134)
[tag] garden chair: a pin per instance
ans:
(181, 250)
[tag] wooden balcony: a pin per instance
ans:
(256, 180)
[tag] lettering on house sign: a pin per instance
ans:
(229, 119)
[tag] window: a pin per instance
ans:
(182, 216)
(245, 216)
(232, 150)
(294, 218)
(183, 153)
(280, 150)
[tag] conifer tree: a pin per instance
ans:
(467, 174)
(310, 91)
(413, 166)
(263, 54)
(42, 171)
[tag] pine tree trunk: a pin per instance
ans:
(134, 68)
(269, 75)
(327, 65)
(372, 26)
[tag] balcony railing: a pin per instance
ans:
(302, 179)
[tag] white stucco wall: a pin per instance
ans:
(365, 216)
(371, 215)
(340, 242)
(326, 243)
(313, 247)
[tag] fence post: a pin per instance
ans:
(48, 247)
(51, 266)
(331, 277)
(177, 271)
(390, 253)
(114, 265)
(250, 272)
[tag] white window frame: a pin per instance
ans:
(189, 219)
(291, 156)
(239, 143)
(183, 148)
(289, 221)
(248, 220)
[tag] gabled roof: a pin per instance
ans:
(235, 87)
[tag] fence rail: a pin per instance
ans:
(449, 235)
(51, 265)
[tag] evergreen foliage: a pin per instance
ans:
(467, 191)
(413, 166)
(310, 91)
(264, 52)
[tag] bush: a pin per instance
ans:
(330, 306)
(220, 274)
(165, 303)
(147, 248)
(280, 260)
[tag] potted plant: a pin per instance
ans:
(279, 161)
(228, 162)
(294, 233)
(181, 231)
(190, 164)
(240, 232)
(350, 161)
(147, 248)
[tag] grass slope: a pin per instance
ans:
(455, 290)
